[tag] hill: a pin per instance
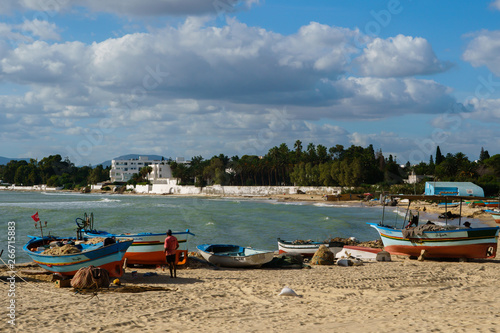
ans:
(5, 160)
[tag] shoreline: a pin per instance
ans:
(420, 206)
(379, 295)
(402, 294)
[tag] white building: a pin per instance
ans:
(122, 170)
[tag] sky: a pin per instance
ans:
(92, 80)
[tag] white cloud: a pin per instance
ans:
(487, 110)
(495, 4)
(132, 7)
(399, 56)
(234, 63)
(42, 29)
(201, 89)
(379, 98)
(483, 50)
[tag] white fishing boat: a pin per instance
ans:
(439, 241)
(306, 248)
(359, 252)
(227, 255)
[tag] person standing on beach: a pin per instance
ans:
(171, 245)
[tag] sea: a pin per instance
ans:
(253, 222)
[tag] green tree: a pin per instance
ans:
(439, 156)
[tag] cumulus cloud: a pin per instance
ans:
(41, 29)
(132, 7)
(495, 4)
(379, 98)
(483, 50)
(399, 56)
(234, 63)
(484, 109)
(210, 83)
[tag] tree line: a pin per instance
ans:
(314, 165)
(335, 166)
(52, 171)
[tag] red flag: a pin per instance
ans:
(35, 217)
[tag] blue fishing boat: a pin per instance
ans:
(48, 253)
(228, 255)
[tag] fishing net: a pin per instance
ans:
(301, 242)
(65, 249)
(323, 256)
(90, 277)
(94, 240)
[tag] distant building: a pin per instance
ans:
(122, 170)
(414, 178)
(453, 188)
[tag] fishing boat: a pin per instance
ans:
(147, 248)
(106, 253)
(495, 213)
(443, 241)
(227, 255)
(359, 252)
(306, 248)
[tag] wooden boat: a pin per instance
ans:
(457, 243)
(306, 248)
(147, 248)
(228, 255)
(439, 242)
(495, 213)
(359, 252)
(107, 254)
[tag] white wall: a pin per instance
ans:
(30, 188)
(233, 190)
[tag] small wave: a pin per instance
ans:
(289, 203)
(209, 223)
(318, 204)
(109, 200)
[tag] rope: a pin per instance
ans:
(27, 282)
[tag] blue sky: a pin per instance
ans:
(93, 80)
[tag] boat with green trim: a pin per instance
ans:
(439, 241)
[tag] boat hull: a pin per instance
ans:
(306, 249)
(472, 243)
(243, 257)
(360, 252)
(495, 214)
(147, 248)
(109, 257)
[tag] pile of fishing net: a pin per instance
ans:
(338, 241)
(301, 241)
(286, 260)
(90, 277)
(65, 249)
(94, 240)
(323, 256)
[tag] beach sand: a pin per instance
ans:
(399, 296)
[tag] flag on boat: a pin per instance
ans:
(35, 217)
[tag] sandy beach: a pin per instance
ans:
(399, 296)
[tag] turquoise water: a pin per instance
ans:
(246, 222)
